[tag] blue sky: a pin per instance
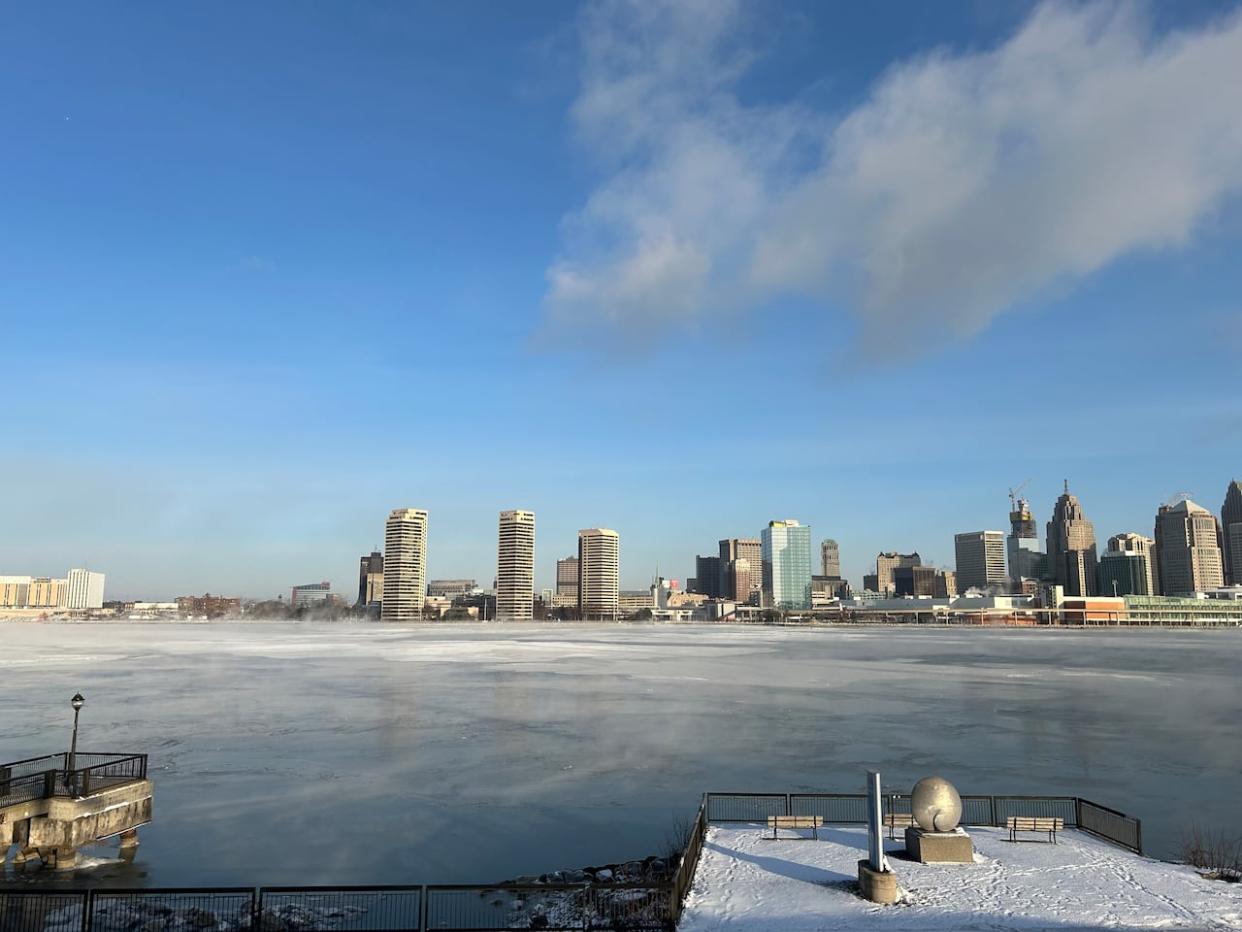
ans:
(270, 270)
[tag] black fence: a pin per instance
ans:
(851, 808)
(56, 775)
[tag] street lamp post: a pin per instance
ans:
(77, 702)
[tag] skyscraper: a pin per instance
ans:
(1188, 554)
(786, 552)
(567, 577)
(888, 561)
(599, 573)
(1071, 547)
(830, 558)
(370, 579)
(708, 576)
(515, 566)
(1128, 566)
(405, 565)
(1231, 533)
(741, 559)
(1026, 560)
(980, 559)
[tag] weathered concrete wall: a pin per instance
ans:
(71, 823)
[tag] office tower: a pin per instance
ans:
(888, 561)
(14, 591)
(1026, 560)
(830, 558)
(515, 567)
(786, 553)
(370, 579)
(311, 594)
(1071, 547)
(567, 577)
(946, 585)
(45, 592)
(1231, 533)
(451, 588)
(1128, 566)
(1188, 553)
(980, 559)
(405, 565)
(733, 551)
(599, 573)
(914, 580)
(84, 589)
(708, 576)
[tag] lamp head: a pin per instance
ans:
(77, 701)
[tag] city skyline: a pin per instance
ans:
(271, 325)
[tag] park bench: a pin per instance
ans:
(896, 820)
(1019, 823)
(813, 822)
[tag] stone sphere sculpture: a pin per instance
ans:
(935, 805)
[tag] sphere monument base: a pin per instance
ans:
(953, 847)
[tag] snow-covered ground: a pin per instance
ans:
(746, 883)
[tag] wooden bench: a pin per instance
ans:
(896, 820)
(813, 822)
(1018, 823)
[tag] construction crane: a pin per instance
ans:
(1014, 493)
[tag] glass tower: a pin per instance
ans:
(786, 547)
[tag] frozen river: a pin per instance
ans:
(369, 753)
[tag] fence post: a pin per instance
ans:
(992, 810)
(256, 907)
(1138, 836)
(422, 909)
(788, 805)
(88, 907)
(1078, 812)
(49, 783)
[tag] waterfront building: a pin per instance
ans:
(14, 590)
(741, 563)
(708, 576)
(1188, 553)
(84, 589)
(370, 579)
(46, 592)
(311, 594)
(451, 588)
(1171, 610)
(916, 581)
(1071, 547)
(786, 552)
(567, 579)
(830, 558)
(1128, 566)
(515, 566)
(980, 559)
(633, 601)
(599, 573)
(946, 584)
(207, 605)
(1231, 533)
(888, 561)
(405, 565)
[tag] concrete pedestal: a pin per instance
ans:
(877, 886)
(952, 847)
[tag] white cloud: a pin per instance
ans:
(962, 185)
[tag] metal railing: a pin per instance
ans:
(50, 776)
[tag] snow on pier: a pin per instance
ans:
(749, 884)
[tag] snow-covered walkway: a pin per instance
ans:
(745, 882)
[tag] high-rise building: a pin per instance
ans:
(1071, 547)
(14, 591)
(46, 592)
(1231, 533)
(310, 594)
(370, 579)
(980, 559)
(1026, 560)
(786, 551)
(830, 558)
(734, 551)
(946, 584)
(1128, 566)
(85, 589)
(1188, 553)
(599, 572)
(914, 581)
(567, 577)
(515, 567)
(405, 565)
(888, 561)
(708, 576)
